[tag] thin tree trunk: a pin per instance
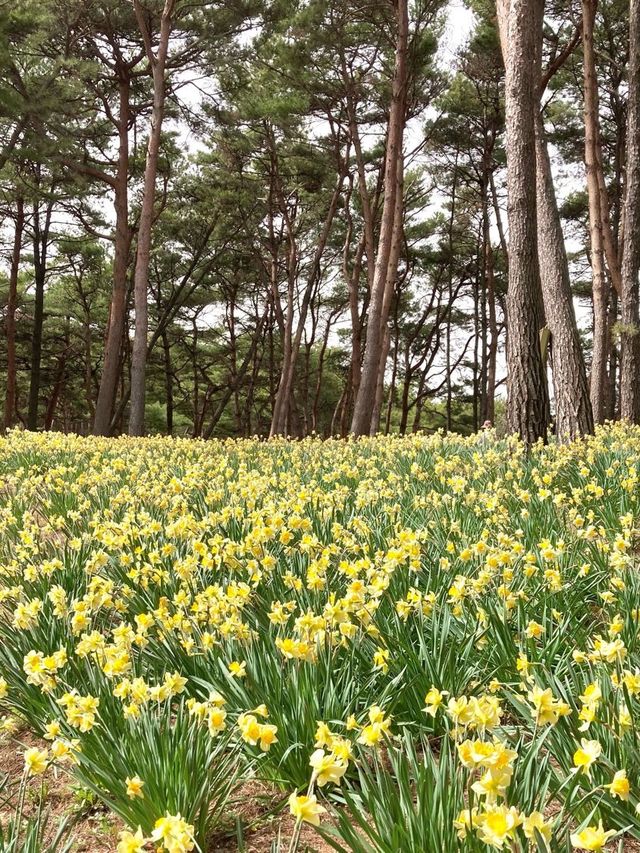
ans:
(10, 324)
(452, 218)
(168, 381)
(282, 407)
(58, 383)
(630, 326)
(40, 245)
(611, 391)
(600, 284)
(364, 404)
(117, 314)
(158, 62)
(492, 356)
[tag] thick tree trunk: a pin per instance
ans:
(571, 389)
(117, 314)
(158, 62)
(365, 402)
(10, 324)
(630, 326)
(527, 395)
(600, 284)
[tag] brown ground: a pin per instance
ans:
(95, 830)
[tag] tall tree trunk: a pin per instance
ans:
(527, 394)
(600, 284)
(117, 313)
(492, 356)
(397, 237)
(630, 327)
(365, 402)
(168, 380)
(574, 416)
(10, 324)
(611, 391)
(158, 62)
(284, 397)
(40, 246)
(58, 383)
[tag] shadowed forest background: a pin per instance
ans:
(283, 218)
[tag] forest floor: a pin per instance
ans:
(257, 808)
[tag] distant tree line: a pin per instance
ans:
(230, 218)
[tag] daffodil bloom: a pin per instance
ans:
(52, 730)
(591, 838)
(324, 736)
(473, 753)
(464, 822)
(174, 833)
(305, 808)
(548, 709)
(586, 756)
(35, 761)
(267, 736)
(134, 787)
(130, 842)
(619, 786)
(535, 823)
(62, 751)
(497, 825)
(238, 670)
(534, 630)
(433, 700)
(327, 767)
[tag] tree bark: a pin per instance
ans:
(58, 383)
(158, 62)
(40, 246)
(600, 284)
(630, 326)
(10, 324)
(574, 416)
(117, 313)
(397, 236)
(492, 356)
(527, 394)
(364, 405)
(168, 380)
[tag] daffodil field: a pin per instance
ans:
(424, 644)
